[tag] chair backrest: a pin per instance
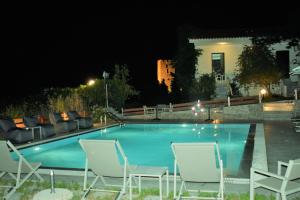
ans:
(293, 170)
(103, 157)
(73, 115)
(30, 121)
(55, 118)
(7, 124)
(197, 161)
(8, 164)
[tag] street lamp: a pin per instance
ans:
(262, 92)
(105, 76)
(91, 82)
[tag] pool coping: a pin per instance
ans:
(19, 147)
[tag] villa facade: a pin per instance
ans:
(220, 55)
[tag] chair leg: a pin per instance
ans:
(283, 196)
(2, 174)
(251, 189)
(180, 190)
(167, 183)
(130, 187)
(175, 180)
(120, 196)
(91, 186)
(11, 192)
(160, 188)
(277, 196)
(222, 191)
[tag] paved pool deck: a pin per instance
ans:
(282, 142)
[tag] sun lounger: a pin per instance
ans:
(83, 122)
(61, 125)
(45, 130)
(15, 169)
(11, 132)
(198, 163)
(102, 158)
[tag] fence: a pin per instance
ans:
(189, 105)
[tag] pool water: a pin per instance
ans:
(147, 144)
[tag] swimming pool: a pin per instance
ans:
(147, 144)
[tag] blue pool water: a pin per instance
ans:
(147, 144)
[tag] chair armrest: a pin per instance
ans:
(281, 164)
(261, 172)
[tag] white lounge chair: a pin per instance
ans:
(102, 157)
(283, 185)
(197, 163)
(15, 168)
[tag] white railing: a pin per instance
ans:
(220, 78)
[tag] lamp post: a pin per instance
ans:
(105, 76)
(263, 92)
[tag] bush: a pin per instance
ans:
(97, 113)
(61, 103)
(203, 88)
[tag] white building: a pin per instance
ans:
(220, 55)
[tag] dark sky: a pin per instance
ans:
(65, 46)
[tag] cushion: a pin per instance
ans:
(7, 124)
(73, 115)
(30, 121)
(57, 117)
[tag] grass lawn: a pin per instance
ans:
(29, 189)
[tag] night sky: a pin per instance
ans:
(55, 46)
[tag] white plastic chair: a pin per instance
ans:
(283, 185)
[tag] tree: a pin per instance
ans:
(204, 88)
(175, 95)
(235, 89)
(257, 65)
(292, 41)
(185, 61)
(163, 93)
(93, 94)
(119, 89)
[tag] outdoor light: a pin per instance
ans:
(37, 148)
(263, 91)
(222, 43)
(261, 94)
(91, 82)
